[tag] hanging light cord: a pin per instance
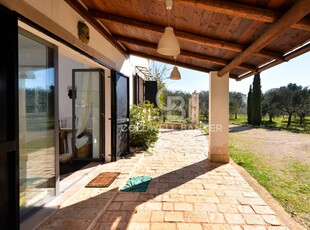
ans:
(169, 18)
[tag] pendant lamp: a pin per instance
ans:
(169, 4)
(168, 44)
(175, 74)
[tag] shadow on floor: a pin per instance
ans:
(68, 168)
(239, 128)
(81, 215)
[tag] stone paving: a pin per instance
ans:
(186, 192)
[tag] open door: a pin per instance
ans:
(120, 115)
(9, 171)
(88, 114)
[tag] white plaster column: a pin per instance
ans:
(218, 118)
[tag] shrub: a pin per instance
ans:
(143, 125)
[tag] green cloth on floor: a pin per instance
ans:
(137, 184)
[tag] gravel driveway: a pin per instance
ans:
(274, 145)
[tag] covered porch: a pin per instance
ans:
(186, 192)
(228, 39)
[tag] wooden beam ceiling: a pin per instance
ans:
(243, 11)
(184, 53)
(104, 22)
(182, 35)
(82, 11)
(287, 57)
(297, 52)
(172, 62)
(298, 11)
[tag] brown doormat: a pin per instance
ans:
(103, 180)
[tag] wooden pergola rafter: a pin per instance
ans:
(244, 11)
(262, 25)
(184, 53)
(216, 43)
(287, 57)
(297, 12)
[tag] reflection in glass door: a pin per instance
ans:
(88, 125)
(36, 122)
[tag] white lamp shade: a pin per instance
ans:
(175, 74)
(169, 4)
(168, 44)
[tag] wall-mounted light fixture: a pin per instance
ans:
(70, 93)
(83, 32)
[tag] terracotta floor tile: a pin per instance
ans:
(174, 217)
(157, 216)
(163, 226)
(234, 218)
(140, 216)
(185, 226)
(186, 192)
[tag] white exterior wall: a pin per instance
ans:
(128, 69)
(65, 79)
(59, 18)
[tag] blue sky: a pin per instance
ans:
(296, 71)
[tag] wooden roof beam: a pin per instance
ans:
(171, 61)
(243, 11)
(183, 53)
(287, 57)
(180, 34)
(298, 11)
(79, 8)
(297, 52)
(178, 63)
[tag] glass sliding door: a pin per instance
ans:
(36, 122)
(88, 125)
(9, 188)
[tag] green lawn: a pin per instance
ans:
(290, 187)
(278, 123)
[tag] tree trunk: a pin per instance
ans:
(270, 118)
(302, 119)
(163, 113)
(289, 121)
(236, 116)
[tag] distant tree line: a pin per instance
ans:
(287, 100)
(237, 103)
(290, 100)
